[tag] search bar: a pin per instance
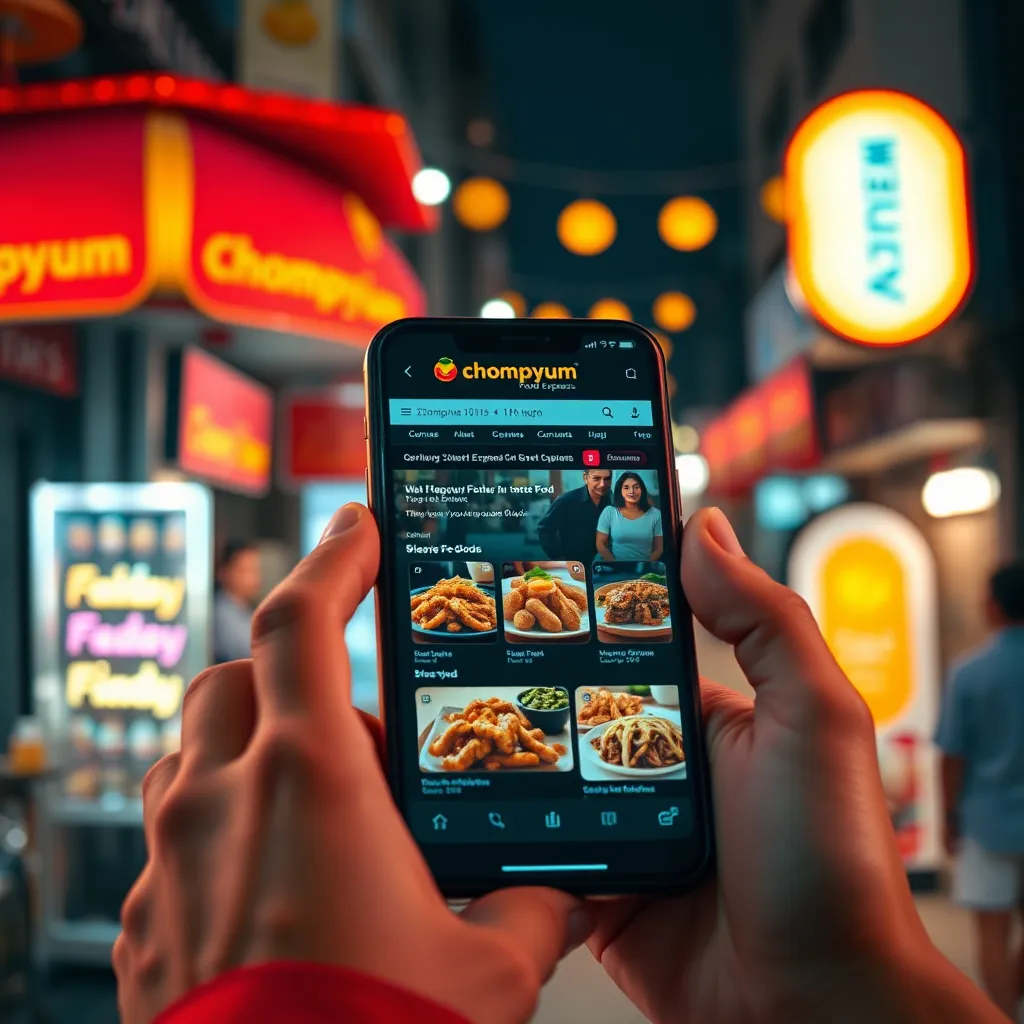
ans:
(553, 413)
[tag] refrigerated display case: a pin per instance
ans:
(122, 579)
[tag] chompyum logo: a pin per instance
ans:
(445, 369)
(523, 374)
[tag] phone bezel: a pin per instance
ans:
(514, 333)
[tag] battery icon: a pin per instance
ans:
(625, 344)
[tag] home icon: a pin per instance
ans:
(440, 822)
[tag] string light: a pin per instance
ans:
(609, 309)
(586, 227)
(687, 223)
(674, 311)
(551, 311)
(481, 204)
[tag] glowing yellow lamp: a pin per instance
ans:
(586, 227)
(481, 204)
(687, 223)
(674, 311)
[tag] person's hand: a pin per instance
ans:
(273, 836)
(810, 916)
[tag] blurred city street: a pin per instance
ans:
(538, 284)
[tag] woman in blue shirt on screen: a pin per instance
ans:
(629, 530)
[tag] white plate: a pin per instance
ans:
(618, 769)
(542, 634)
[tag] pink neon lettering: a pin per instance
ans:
(133, 638)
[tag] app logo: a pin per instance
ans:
(445, 369)
(591, 458)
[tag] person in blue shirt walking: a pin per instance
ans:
(981, 736)
(629, 530)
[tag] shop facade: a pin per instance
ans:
(195, 252)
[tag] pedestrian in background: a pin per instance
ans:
(239, 582)
(981, 736)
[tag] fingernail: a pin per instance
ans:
(722, 533)
(581, 924)
(344, 519)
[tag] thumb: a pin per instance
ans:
(776, 640)
(543, 924)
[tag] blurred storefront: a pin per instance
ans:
(176, 257)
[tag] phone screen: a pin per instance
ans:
(536, 645)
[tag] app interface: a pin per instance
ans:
(538, 632)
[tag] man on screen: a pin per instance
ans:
(569, 527)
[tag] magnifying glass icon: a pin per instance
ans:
(608, 412)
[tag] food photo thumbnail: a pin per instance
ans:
(545, 601)
(501, 729)
(630, 731)
(452, 602)
(631, 603)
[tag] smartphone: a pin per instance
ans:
(538, 676)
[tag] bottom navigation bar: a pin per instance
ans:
(555, 821)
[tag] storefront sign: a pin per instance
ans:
(121, 620)
(878, 216)
(869, 577)
(322, 436)
(240, 201)
(40, 356)
(770, 428)
(68, 258)
(220, 423)
(290, 46)
(276, 245)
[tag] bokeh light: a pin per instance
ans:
(685, 438)
(586, 227)
(687, 223)
(673, 386)
(481, 204)
(497, 309)
(551, 311)
(431, 186)
(674, 311)
(609, 309)
(693, 472)
(515, 300)
(773, 199)
(665, 342)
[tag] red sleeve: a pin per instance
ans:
(299, 993)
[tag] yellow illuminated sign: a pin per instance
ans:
(865, 622)
(878, 217)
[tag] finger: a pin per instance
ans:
(376, 731)
(543, 923)
(218, 715)
(155, 785)
(300, 662)
(776, 640)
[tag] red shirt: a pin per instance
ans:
(297, 993)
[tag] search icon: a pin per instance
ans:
(631, 374)
(608, 412)
(495, 819)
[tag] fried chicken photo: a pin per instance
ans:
(491, 734)
(604, 706)
(545, 604)
(454, 606)
(635, 603)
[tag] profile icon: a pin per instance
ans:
(445, 369)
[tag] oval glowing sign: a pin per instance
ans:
(879, 223)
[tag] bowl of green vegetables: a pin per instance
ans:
(547, 708)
